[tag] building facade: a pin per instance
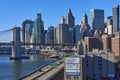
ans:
(56, 35)
(100, 65)
(115, 44)
(65, 34)
(49, 36)
(97, 65)
(66, 29)
(93, 43)
(102, 43)
(109, 25)
(97, 19)
(116, 18)
(84, 27)
(70, 19)
(39, 29)
(75, 68)
(76, 33)
(27, 27)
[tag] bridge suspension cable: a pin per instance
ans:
(6, 35)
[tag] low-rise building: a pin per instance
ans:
(97, 65)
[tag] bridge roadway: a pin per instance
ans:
(46, 73)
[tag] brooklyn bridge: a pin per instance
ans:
(13, 37)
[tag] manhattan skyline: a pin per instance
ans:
(14, 12)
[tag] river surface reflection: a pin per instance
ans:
(15, 69)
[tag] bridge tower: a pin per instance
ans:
(16, 43)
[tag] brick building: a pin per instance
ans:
(115, 44)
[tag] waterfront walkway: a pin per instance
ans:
(45, 73)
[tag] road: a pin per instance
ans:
(46, 73)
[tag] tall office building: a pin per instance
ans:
(49, 36)
(65, 29)
(62, 33)
(39, 29)
(27, 27)
(56, 35)
(70, 19)
(116, 18)
(76, 33)
(109, 21)
(84, 27)
(85, 19)
(65, 34)
(62, 20)
(109, 25)
(97, 19)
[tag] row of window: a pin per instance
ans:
(75, 77)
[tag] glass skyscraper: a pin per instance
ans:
(97, 19)
(116, 21)
(27, 27)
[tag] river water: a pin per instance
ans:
(15, 69)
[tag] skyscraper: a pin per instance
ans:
(63, 34)
(84, 27)
(116, 21)
(49, 36)
(65, 29)
(40, 29)
(85, 18)
(62, 21)
(109, 25)
(27, 27)
(70, 19)
(76, 33)
(56, 35)
(97, 19)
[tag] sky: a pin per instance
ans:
(13, 12)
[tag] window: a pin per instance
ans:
(99, 60)
(99, 68)
(99, 64)
(86, 61)
(68, 77)
(87, 65)
(76, 77)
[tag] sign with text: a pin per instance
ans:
(73, 66)
(72, 60)
(72, 72)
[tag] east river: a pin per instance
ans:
(15, 69)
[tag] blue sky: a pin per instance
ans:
(13, 12)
